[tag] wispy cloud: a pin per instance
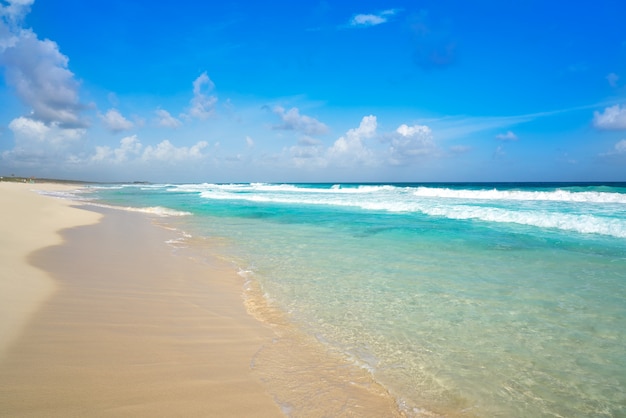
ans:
(618, 152)
(452, 127)
(463, 126)
(293, 120)
(498, 153)
(372, 19)
(612, 78)
(202, 103)
(508, 136)
(115, 122)
(166, 120)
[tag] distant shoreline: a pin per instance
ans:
(20, 179)
(507, 184)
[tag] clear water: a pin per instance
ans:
(480, 299)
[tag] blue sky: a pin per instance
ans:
(329, 91)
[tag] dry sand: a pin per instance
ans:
(28, 221)
(115, 322)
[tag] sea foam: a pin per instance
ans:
(542, 209)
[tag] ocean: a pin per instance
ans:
(491, 300)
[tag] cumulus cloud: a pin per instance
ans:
(131, 149)
(115, 122)
(364, 20)
(165, 151)
(34, 133)
(613, 118)
(38, 71)
(410, 142)
(351, 148)
(202, 103)
(38, 144)
(166, 120)
(508, 136)
(129, 146)
(293, 120)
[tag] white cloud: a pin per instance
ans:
(613, 118)
(411, 131)
(618, 151)
(350, 148)
(411, 142)
(167, 120)
(293, 120)
(364, 20)
(115, 122)
(129, 146)
(34, 133)
(202, 103)
(367, 20)
(249, 142)
(132, 150)
(508, 136)
(165, 151)
(27, 128)
(38, 144)
(39, 73)
(407, 144)
(15, 9)
(37, 70)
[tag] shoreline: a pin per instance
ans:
(137, 326)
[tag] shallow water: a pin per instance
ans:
(463, 299)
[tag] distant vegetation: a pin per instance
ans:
(17, 179)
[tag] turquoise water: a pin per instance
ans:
(480, 299)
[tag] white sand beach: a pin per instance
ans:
(106, 320)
